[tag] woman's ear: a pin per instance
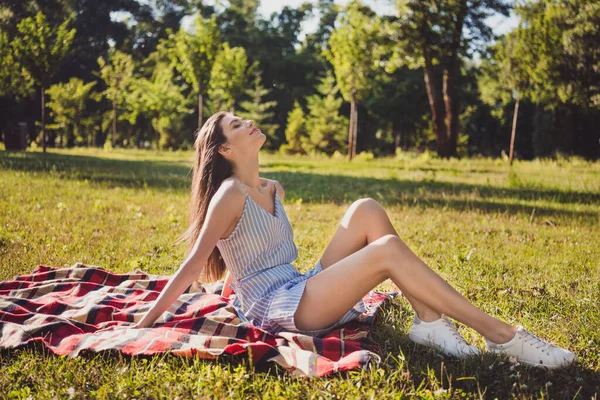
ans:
(224, 149)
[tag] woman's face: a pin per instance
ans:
(242, 136)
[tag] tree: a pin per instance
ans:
(430, 34)
(505, 78)
(258, 110)
(14, 79)
(295, 131)
(117, 75)
(560, 39)
(328, 12)
(160, 99)
(228, 77)
(354, 50)
(40, 48)
(195, 55)
(67, 102)
(543, 61)
(326, 128)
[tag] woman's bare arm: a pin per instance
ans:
(225, 207)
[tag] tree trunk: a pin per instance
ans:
(436, 105)
(452, 105)
(199, 110)
(114, 127)
(451, 71)
(43, 93)
(352, 127)
(350, 137)
(157, 134)
(514, 131)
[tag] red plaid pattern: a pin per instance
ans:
(63, 308)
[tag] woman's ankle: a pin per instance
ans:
(428, 315)
(502, 336)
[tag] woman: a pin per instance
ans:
(238, 223)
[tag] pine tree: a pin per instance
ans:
(327, 129)
(295, 133)
(258, 110)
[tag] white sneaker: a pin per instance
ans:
(441, 334)
(529, 349)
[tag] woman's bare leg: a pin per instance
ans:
(364, 222)
(342, 284)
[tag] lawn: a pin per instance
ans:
(522, 243)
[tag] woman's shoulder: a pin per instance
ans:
(231, 194)
(276, 184)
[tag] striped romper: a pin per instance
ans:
(258, 254)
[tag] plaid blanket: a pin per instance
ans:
(63, 308)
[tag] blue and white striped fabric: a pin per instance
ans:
(259, 255)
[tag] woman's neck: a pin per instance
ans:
(247, 172)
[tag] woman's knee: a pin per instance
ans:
(362, 210)
(366, 205)
(386, 250)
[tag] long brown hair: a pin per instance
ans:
(210, 170)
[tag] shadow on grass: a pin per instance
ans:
(315, 187)
(488, 376)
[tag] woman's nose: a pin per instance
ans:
(250, 122)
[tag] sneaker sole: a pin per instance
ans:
(424, 341)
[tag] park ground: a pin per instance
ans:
(520, 242)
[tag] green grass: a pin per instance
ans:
(520, 243)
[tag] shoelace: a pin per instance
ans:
(538, 342)
(453, 330)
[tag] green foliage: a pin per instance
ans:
(160, 100)
(68, 104)
(41, 47)
(14, 79)
(550, 61)
(437, 36)
(227, 78)
(259, 110)
(432, 31)
(327, 129)
(560, 52)
(493, 90)
(38, 49)
(116, 74)
(354, 50)
(295, 132)
(195, 53)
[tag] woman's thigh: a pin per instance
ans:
(364, 222)
(331, 293)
